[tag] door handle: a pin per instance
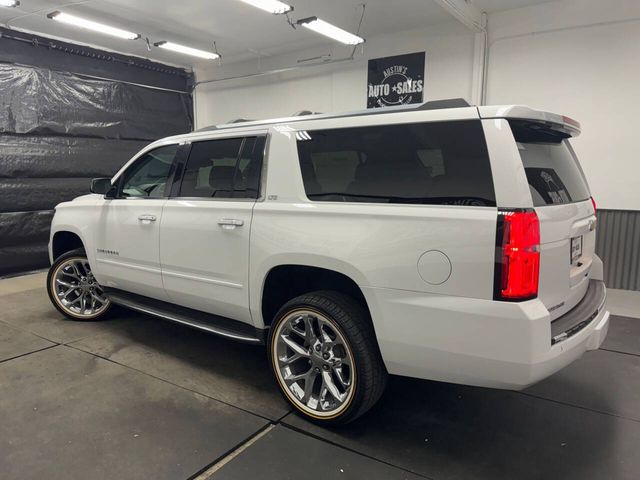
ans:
(147, 218)
(230, 223)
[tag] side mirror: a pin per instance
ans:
(100, 186)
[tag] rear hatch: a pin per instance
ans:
(565, 210)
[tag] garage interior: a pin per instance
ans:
(136, 397)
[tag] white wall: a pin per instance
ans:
(335, 87)
(575, 57)
(581, 59)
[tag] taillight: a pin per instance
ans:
(593, 202)
(517, 255)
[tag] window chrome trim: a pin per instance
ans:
(214, 199)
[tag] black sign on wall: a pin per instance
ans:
(397, 80)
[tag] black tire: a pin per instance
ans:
(354, 324)
(79, 254)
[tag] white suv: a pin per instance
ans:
(444, 242)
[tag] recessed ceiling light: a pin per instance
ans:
(9, 3)
(187, 50)
(271, 6)
(91, 25)
(331, 31)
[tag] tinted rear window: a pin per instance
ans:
(553, 173)
(425, 163)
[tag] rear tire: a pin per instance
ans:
(73, 290)
(324, 355)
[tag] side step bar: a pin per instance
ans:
(224, 327)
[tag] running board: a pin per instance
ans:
(208, 322)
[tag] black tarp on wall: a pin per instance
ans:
(60, 129)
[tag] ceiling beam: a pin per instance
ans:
(465, 12)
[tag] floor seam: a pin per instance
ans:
(170, 383)
(620, 352)
(29, 353)
(208, 471)
(22, 329)
(581, 407)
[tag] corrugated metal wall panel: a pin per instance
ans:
(618, 245)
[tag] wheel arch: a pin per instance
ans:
(287, 279)
(63, 241)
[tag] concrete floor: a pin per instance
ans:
(135, 397)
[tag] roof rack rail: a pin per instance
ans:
(304, 114)
(445, 103)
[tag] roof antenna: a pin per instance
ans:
(146, 39)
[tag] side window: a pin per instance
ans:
(226, 168)
(442, 163)
(148, 176)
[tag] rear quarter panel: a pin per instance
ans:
(377, 245)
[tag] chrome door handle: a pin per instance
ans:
(230, 223)
(147, 218)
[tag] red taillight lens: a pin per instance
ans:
(594, 205)
(518, 255)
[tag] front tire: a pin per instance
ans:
(74, 291)
(325, 357)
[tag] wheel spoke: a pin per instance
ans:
(294, 328)
(76, 300)
(328, 382)
(326, 339)
(70, 273)
(97, 298)
(71, 290)
(289, 360)
(75, 269)
(341, 377)
(294, 377)
(308, 330)
(297, 349)
(308, 386)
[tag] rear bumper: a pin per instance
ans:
(481, 342)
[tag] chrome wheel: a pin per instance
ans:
(315, 365)
(76, 290)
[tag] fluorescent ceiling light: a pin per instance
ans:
(187, 50)
(9, 3)
(271, 6)
(94, 26)
(331, 31)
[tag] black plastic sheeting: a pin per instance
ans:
(59, 157)
(47, 53)
(43, 102)
(23, 241)
(28, 194)
(57, 131)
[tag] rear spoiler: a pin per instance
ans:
(521, 112)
